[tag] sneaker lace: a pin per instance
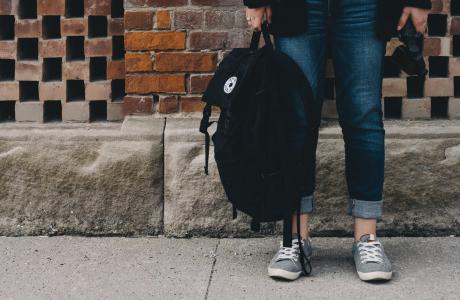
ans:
(370, 252)
(291, 253)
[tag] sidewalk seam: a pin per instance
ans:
(212, 270)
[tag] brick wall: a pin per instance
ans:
(64, 59)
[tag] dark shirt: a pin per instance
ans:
(289, 16)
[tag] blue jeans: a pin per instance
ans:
(358, 55)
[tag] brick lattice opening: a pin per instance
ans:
(98, 68)
(415, 87)
(27, 49)
(439, 107)
(457, 86)
(439, 66)
(118, 47)
(27, 9)
(51, 27)
(52, 69)
(98, 111)
(75, 48)
(74, 8)
(118, 89)
(390, 69)
(118, 10)
(75, 90)
(97, 26)
(7, 69)
(455, 7)
(28, 91)
(6, 28)
(437, 25)
(52, 111)
(456, 46)
(7, 111)
(393, 107)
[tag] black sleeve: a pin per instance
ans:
(426, 4)
(256, 3)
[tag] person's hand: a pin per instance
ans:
(256, 16)
(419, 17)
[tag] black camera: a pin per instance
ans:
(409, 56)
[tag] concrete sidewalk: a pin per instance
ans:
(67, 267)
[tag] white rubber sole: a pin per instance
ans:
(375, 276)
(278, 273)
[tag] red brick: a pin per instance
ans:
(75, 70)
(168, 105)
(137, 105)
(191, 104)
(51, 7)
(116, 27)
(8, 49)
(220, 19)
(198, 62)
(199, 83)
(116, 69)
(28, 28)
(455, 26)
(5, 7)
(216, 3)
(432, 46)
(163, 3)
(54, 90)
(155, 40)
(155, 83)
(188, 19)
(97, 7)
(138, 62)
(208, 40)
(73, 27)
(163, 19)
(9, 90)
(98, 47)
(28, 71)
(52, 48)
(139, 20)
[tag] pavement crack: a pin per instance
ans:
(212, 270)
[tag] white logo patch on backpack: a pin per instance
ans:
(230, 85)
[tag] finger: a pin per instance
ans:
(403, 20)
(269, 15)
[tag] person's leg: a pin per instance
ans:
(309, 52)
(358, 60)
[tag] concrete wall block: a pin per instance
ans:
(413, 109)
(29, 111)
(75, 112)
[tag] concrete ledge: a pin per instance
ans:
(102, 179)
(422, 188)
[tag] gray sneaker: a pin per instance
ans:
(370, 259)
(286, 262)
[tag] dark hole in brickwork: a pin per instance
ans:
(118, 89)
(118, 47)
(393, 107)
(329, 88)
(455, 7)
(439, 66)
(52, 69)
(98, 111)
(75, 48)
(390, 69)
(456, 45)
(27, 9)
(439, 107)
(437, 25)
(7, 69)
(118, 10)
(27, 49)
(7, 111)
(28, 91)
(6, 28)
(97, 26)
(74, 8)
(415, 87)
(457, 86)
(98, 68)
(53, 111)
(51, 27)
(75, 90)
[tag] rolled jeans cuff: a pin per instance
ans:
(307, 204)
(365, 209)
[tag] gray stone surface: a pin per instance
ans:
(91, 180)
(67, 267)
(422, 187)
(104, 268)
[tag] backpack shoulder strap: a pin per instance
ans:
(204, 125)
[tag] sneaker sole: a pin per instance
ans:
(375, 276)
(278, 273)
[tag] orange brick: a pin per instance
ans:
(163, 19)
(138, 62)
(155, 83)
(137, 105)
(74, 27)
(139, 20)
(199, 62)
(155, 40)
(191, 104)
(51, 7)
(116, 69)
(168, 105)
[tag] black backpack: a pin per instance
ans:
(258, 173)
